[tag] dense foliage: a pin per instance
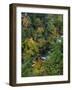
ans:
(42, 44)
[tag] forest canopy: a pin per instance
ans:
(42, 44)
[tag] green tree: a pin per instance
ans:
(42, 38)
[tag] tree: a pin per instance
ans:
(42, 44)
